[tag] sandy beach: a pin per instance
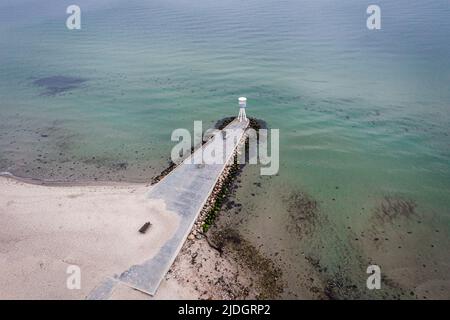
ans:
(47, 228)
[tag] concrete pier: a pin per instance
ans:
(184, 191)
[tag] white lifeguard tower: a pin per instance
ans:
(242, 105)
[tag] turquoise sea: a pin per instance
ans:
(364, 119)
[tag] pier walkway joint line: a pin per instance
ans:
(184, 191)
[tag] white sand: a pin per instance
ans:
(44, 229)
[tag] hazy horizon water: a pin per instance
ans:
(363, 116)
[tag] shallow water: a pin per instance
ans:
(363, 115)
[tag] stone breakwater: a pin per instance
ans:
(219, 194)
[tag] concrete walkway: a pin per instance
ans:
(184, 191)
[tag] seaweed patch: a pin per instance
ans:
(267, 275)
(303, 212)
(341, 283)
(58, 84)
(392, 208)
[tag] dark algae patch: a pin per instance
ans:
(342, 284)
(337, 285)
(54, 85)
(337, 261)
(303, 213)
(392, 208)
(267, 276)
